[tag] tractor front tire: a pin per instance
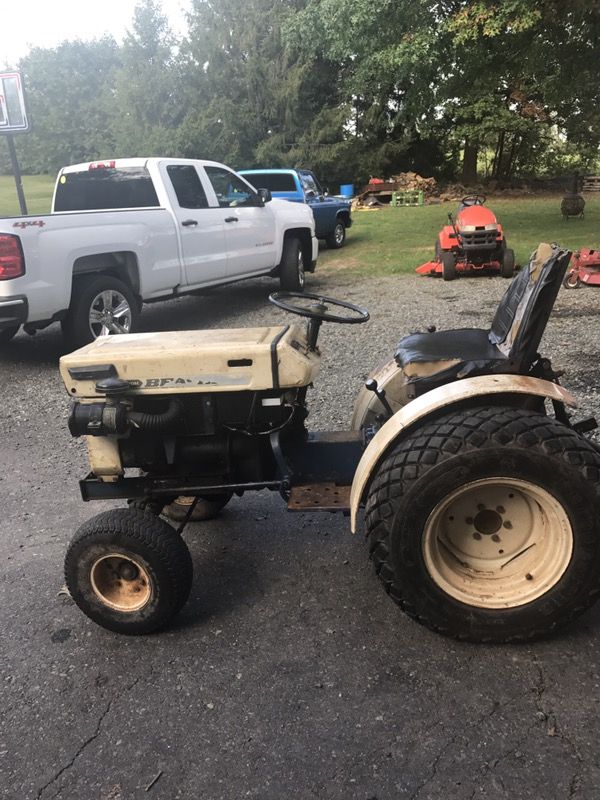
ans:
(484, 524)
(507, 264)
(128, 571)
(291, 270)
(448, 266)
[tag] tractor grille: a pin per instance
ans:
(479, 239)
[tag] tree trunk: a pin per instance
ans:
(469, 170)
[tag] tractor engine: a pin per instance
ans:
(201, 403)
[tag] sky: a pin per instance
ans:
(35, 23)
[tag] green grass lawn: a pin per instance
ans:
(38, 194)
(396, 240)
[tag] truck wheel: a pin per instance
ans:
(8, 334)
(484, 524)
(337, 237)
(507, 267)
(100, 305)
(291, 271)
(206, 508)
(448, 266)
(128, 571)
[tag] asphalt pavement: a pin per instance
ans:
(289, 673)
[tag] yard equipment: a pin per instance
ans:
(584, 269)
(472, 242)
(482, 497)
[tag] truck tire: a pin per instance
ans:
(8, 334)
(337, 237)
(484, 524)
(128, 571)
(448, 266)
(291, 270)
(100, 305)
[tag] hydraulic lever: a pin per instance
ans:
(372, 385)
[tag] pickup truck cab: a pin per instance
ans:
(128, 231)
(332, 214)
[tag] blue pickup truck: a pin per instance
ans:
(332, 215)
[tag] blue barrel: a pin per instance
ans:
(347, 190)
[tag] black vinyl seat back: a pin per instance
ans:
(521, 318)
(510, 346)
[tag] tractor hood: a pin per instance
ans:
(472, 217)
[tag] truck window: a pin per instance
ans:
(188, 187)
(231, 191)
(309, 184)
(105, 188)
(274, 182)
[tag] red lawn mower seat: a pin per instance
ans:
(511, 344)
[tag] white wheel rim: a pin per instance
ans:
(497, 543)
(110, 313)
(120, 582)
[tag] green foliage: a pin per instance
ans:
(351, 89)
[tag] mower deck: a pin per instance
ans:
(463, 267)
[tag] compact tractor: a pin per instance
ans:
(472, 242)
(481, 496)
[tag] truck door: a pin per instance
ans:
(249, 225)
(201, 228)
(322, 210)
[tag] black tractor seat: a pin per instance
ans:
(509, 346)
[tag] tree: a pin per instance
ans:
(68, 99)
(148, 98)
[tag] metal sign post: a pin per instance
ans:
(13, 119)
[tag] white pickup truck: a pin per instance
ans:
(130, 231)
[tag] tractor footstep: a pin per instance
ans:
(320, 497)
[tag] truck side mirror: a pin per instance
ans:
(265, 196)
(310, 194)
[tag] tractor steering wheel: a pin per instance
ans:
(319, 308)
(473, 200)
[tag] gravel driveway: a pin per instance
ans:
(289, 674)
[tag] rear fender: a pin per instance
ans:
(422, 407)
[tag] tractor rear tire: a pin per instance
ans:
(484, 524)
(448, 266)
(128, 571)
(291, 270)
(507, 265)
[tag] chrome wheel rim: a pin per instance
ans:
(109, 313)
(338, 233)
(120, 582)
(301, 277)
(497, 543)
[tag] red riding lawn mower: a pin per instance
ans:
(584, 269)
(472, 242)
